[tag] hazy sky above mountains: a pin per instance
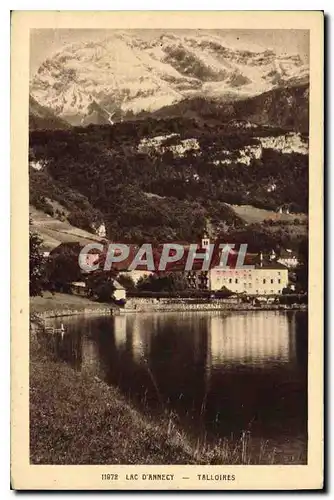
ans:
(45, 42)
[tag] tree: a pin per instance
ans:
(63, 267)
(176, 281)
(149, 283)
(127, 282)
(302, 268)
(36, 265)
(100, 285)
(224, 292)
(164, 282)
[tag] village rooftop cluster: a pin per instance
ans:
(206, 266)
(162, 258)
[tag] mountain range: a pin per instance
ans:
(126, 76)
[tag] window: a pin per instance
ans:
(230, 280)
(264, 281)
(236, 280)
(257, 291)
(249, 285)
(271, 281)
(279, 281)
(279, 273)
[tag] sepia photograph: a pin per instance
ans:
(169, 207)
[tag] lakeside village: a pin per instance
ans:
(266, 280)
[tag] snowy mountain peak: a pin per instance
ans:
(91, 81)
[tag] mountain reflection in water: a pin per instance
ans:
(221, 374)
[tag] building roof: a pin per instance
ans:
(287, 254)
(270, 265)
(79, 283)
(257, 265)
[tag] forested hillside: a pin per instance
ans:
(169, 178)
(282, 107)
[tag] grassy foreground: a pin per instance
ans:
(62, 302)
(78, 419)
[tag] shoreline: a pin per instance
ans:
(203, 308)
(83, 420)
(54, 313)
(63, 305)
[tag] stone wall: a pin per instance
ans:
(152, 305)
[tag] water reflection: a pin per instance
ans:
(221, 373)
(90, 356)
(251, 339)
(120, 331)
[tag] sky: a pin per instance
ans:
(45, 42)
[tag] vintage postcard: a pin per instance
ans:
(167, 246)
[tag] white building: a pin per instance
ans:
(119, 292)
(101, 231)
(263, 279)
(288, 258)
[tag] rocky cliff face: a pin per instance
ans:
(285, 143)
(289, 143)
(41, 117)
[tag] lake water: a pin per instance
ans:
(220, 373)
